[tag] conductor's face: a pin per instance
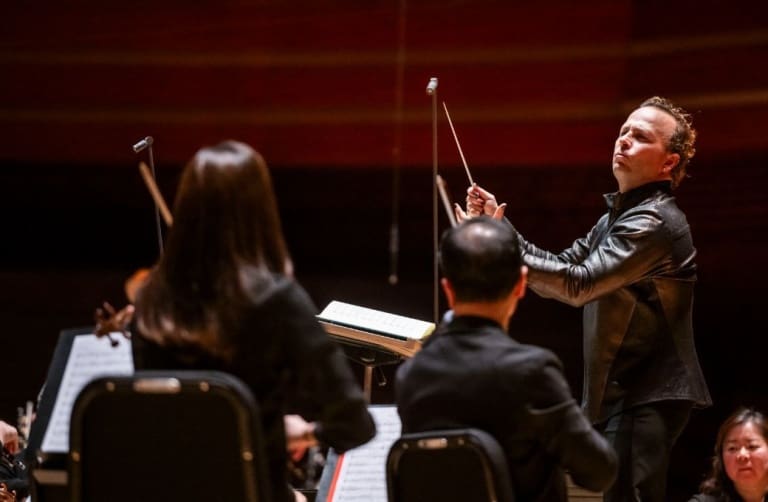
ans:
(640, 154)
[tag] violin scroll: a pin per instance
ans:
(5, 495)
(108, 321)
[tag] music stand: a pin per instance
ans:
(371, 358)
(373, 338)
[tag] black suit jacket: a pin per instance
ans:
(471, 373)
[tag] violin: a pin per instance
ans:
(107, 319)
(5, 495)
(13, 471)
(134, 283)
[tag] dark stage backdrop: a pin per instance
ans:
(332, 93)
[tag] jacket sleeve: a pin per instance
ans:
(565, 432)
(632, 248)
(325, 389)
(572, 255)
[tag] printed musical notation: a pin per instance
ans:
(374, 328)
(361, 472)
(376, 321)
(89, 358)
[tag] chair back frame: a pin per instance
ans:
(484, 446)
(202, 384)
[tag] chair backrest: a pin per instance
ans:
(166, 435)
(454, 465)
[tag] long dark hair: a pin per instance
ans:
(718, 483)
(223, 251)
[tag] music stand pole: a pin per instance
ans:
(371, 360)
(368, 377)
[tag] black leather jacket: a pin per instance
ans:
(634, 274)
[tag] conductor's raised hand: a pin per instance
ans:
(481, 201)
(461, 216)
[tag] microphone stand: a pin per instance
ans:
(432, 91)
(146, 143)
(394, 229)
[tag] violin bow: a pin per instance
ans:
(446, 200)
(149, 180)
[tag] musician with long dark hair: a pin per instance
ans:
(223, 297)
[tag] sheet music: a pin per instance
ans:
(362, 474)
(89, 358)
(376, 320)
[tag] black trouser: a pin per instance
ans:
(643, 437)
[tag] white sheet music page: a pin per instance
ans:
(376, 320)
(362, 473)
(89, 358)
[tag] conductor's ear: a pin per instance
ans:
(672, 160)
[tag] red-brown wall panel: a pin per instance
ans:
(338, 83)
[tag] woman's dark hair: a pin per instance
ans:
(225, 246)
(718, 483)
(683, 139)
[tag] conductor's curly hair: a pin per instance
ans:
(683, 139)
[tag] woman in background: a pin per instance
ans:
(223, 297)
(740, 465)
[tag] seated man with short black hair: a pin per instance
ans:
(471, 373)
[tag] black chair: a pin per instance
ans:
(457, 465)
(166, 435)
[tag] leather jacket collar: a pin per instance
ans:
(619, 202)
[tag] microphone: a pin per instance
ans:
(432, 86)
(143, 144)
